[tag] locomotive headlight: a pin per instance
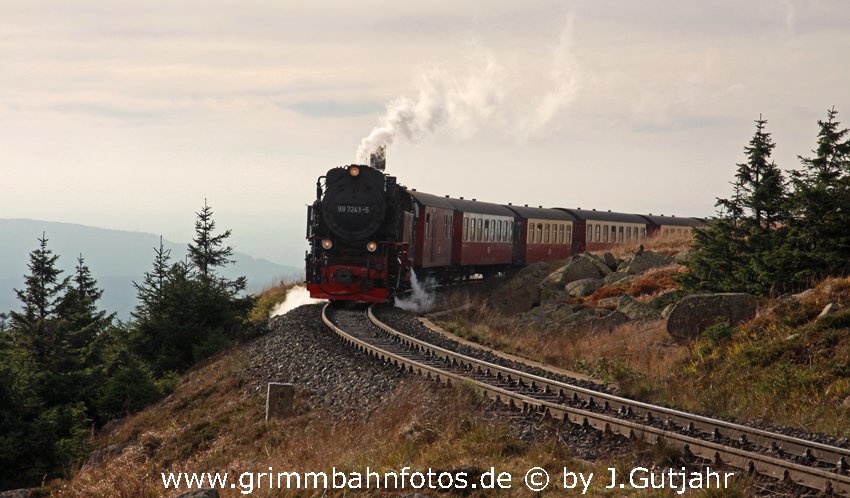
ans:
(354, 170)
(327, 244)
(372, 246)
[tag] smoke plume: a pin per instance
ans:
(520, 98)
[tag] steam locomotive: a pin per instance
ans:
(367, 234)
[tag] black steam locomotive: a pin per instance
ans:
(359, 233)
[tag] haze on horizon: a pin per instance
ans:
(128, 114)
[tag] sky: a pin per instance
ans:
(129, 114)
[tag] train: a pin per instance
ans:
(368, 234)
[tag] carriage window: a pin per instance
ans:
(643, 233)
(589, 236)
(548, 228)
(510, 231)
(569, 234)
(465, 229)
(561, 234)
(605, 233)
(620, 237)
(540, 232)
(499, 231)
(531, 233)
(596, 236)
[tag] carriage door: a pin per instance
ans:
(518, 247)
(433, 235)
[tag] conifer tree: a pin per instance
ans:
(151, 292)
(51, 422)
(208, 252)
(36, 327)
(737, 251)
(186, 310)
(820, 237)
(79, 311)
(763, 188)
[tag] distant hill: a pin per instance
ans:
(116, 258)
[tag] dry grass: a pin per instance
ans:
(647, 285)
(781, 367)
(207, 425)
(642, 348)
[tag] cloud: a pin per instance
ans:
(332, 108)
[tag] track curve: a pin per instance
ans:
(808, 463)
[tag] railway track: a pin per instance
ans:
(808, 463)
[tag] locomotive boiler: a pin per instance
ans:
(359, 230)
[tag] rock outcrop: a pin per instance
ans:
(616, 277)
(635, 310)
(647, 260)
(583, 287)
(520, 293)
(581, 267)
(16, 493)
(828, 310)
(610, 260)
(695, 313)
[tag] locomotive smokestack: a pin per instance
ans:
(378, 159)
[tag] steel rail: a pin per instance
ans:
(831, 455)
(750, 461)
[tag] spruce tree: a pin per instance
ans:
(151, 292)
(78, 308)
(186, 310)
(763, 187)
(737, 252)
(50, 424)
(208, 251)
(36, 326)
(821, 200)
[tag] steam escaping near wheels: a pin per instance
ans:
(421, 298)
(296, 296)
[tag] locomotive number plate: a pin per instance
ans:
(352, 209)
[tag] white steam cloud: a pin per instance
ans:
(420, 300)
(296, 296)
(520, 98)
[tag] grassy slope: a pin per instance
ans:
(782, 367)
(207, 425)
(210, 424)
